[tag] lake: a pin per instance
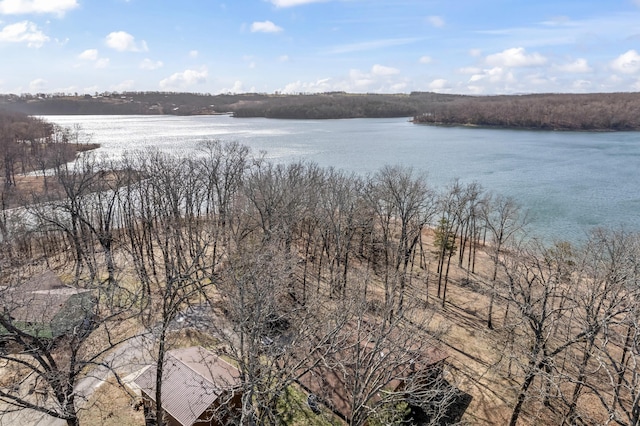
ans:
(569, 182)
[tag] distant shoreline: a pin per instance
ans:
(595, 112)
(531, 129)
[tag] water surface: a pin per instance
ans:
(569, 182)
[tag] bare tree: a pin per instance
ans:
(170, 244)
(46, 353)
(403, 205)
(77, 181)
(378, 364)
(340, 213)
(537, 287)
(222, 168)
(504, 219)
(272, 338)
(451, 204)
(608, 364)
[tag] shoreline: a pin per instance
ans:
(523, 128)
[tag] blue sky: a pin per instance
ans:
(292, 46)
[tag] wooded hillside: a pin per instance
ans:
(589, 112)
(585, 112)
(314, 106)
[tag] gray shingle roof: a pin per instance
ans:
(47, 303)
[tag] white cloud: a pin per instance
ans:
(185, 79)
(283, 58)
(515, 57)
(265, 27)
(475, 52)
(92, 56)
(381, 70)
(37, 85)
(238, 87)
(291, 3)
(493, 75)
(148, 64)
(89, 55)
(438, 84)
(23, 32)
(19, 7)
(425, 59)
(377, 79)
(193, 53)
(576, 67)
(322, 85)
(627, 63)
(125, 42)
(123, 86)
(359, 79)
(436, 21)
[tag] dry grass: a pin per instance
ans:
(189, 337)
(110, 405)
(473, 349)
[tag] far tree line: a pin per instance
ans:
(554, 111)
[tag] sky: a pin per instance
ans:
(309, 46)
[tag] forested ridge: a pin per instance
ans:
(306, 106)
(586, 112)
(583, 112)
(287, 269)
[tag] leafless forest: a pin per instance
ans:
(578, 112)
(587, 112)
(286, 270)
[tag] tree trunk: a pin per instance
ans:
(491, 301)
(521, 397)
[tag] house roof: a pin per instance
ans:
(47, 280)
(192, 380)
(38, 300)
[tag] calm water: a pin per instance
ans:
(569, 182)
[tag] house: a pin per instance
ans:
(375, 361)
(45, 307)
(198, 388)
